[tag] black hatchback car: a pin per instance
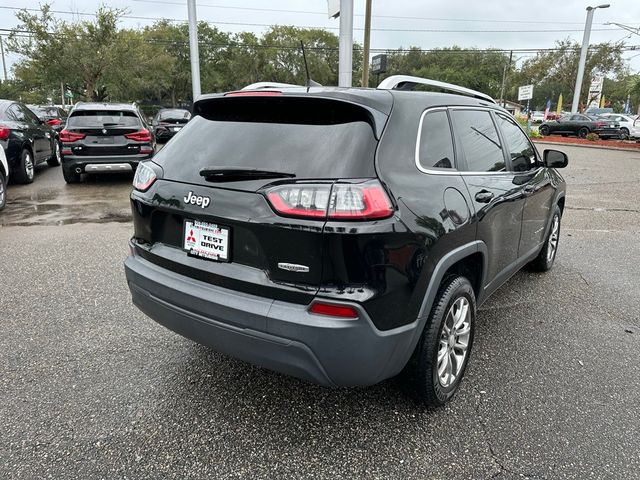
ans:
(27, 141)
(103, 138)
(342, 235)
(168, 122)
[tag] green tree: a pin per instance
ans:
(554, 71)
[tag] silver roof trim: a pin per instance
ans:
(266, 85)
(400, 82)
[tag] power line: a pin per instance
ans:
(267, 25)
(402, 17)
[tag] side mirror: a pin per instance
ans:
(555, 159)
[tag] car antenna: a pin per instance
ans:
(310, 83)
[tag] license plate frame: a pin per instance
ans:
(206, 248)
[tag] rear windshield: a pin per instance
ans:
(311, 138)
(175, 114)
(103, 118)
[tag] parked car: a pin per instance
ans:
(26, 140)
(336, 234)
(53, 116)
(537, 117)
(4, 178)
(168, 122)
(628, 126)
(581, 125)
(104, 137)
(598, 110)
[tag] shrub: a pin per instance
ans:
(592, 137)
(534, 134)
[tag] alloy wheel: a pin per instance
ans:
(454, 342)
(28, 165)
(553, 238)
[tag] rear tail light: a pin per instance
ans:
(144, 177)
(340, 201)
(139, 136)
(333, 310)
(69, 137)
(599, 124)
(66, 151)
(144, 150)
(4, 133)
(53, 122)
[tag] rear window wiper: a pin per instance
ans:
(228, 174)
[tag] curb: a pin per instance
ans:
(601, 147)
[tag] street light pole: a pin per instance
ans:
(193, 49)
(583, 56)
(345, 64)
(367, 42)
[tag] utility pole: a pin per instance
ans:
(367, 43)
(504, 80)
(583, 56)
(345, 64)
(4, 65)
(193, 49)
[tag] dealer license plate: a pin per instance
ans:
(206, 240)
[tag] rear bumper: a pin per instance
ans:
(607, 132)
(276, 335)
(100, 163)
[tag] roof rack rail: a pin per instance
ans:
(266, 85)
(407, 82)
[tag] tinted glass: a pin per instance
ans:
(311, 139)
(521, 151)
(174, 114)
(17, 113)
(103, 118)
(29, 115)
(436, 143)
(479, 140)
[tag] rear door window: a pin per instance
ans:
(103, 118)
(479, 140)
(435, 146)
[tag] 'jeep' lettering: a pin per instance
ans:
(199, 200)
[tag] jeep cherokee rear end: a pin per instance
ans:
(292, 229)
(291, 181)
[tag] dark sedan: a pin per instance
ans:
(580, 125)
(26, 140)
(168, 122)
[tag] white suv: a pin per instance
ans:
(629, 126)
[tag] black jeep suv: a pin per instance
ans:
(104, 137)
(342, 235)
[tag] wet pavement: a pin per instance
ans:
(50, 201)
(91, 388)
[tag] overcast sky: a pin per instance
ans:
(506, 24)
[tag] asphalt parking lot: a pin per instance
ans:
(91, 388)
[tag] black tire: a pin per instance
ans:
(423, 367)
(624, 133)
(70, 176)
(3, 190)
(56, 158)
(583, 132)
(547, 256)
(26, 168)
(544, 130)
